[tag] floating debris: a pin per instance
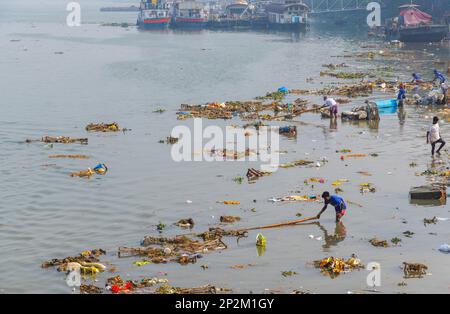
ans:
(414, 270)
(396, 240)
(430, 221)
(185, 223)
(335, 266)
(238, 180)
(84, 173)
(345, 75)
(160, 226)
(141, 263)
(230, 202)
(100, 169)
(170, 140)
(332, 66)
(252, 173)
(207, 289)
(103, 127)
(367, 187)
(428, 192)
(288, 273)
(90, 289)
(70, 156)
(229, 219)
(408, 234)
(289, 131)
(295, 198)
(378, 243)
(59, 139)
(297, 163)
(180, 249)
(261, 240)
(84, 259)
(362, 89)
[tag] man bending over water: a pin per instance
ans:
(336, 201)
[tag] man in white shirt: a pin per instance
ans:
(434, 136)
(332, 104)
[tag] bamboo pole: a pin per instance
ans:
(287, 223)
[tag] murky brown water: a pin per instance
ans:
(116, 74)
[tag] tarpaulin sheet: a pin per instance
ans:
(415, 17)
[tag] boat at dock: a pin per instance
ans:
(287, 15)
(414, 25)
(153, 15)
(235, 15)
(189, 14)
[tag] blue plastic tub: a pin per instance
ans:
(382, 104)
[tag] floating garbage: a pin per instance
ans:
(101, 169)
(367, 187)
(288, 273)
(84, 173)
(87, 261)
(362, 89)
(289, 131)
(207, 289)
(378, 243)
(229, 219)
(59, 139)
(70, 156)
(171, 140)
(429, 221)
(103, 127)
(180, 249)
(297, 163)
(444, 248)
(260, 240)
(332, 66)
(185, 223)
(333, 266)
(346, 75)
(428, 192)
(141, 263)
(230, 202)
(368, 111)
(414, 270)
(283, 90)
(90, 289)
(295, 198)
(252, 173)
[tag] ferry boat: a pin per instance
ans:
(189, 14)
(414, 25)
(153, 15)
(287, 15)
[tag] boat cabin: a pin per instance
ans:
(236, 10)
(286, 12)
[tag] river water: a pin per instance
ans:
(122, 74)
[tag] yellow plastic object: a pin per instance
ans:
(231, 202)
(260, 240)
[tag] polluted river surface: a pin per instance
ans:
(55, 80)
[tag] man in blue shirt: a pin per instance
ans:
(416, 78)
(336, 201)
(439, 76)
(401, 95)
